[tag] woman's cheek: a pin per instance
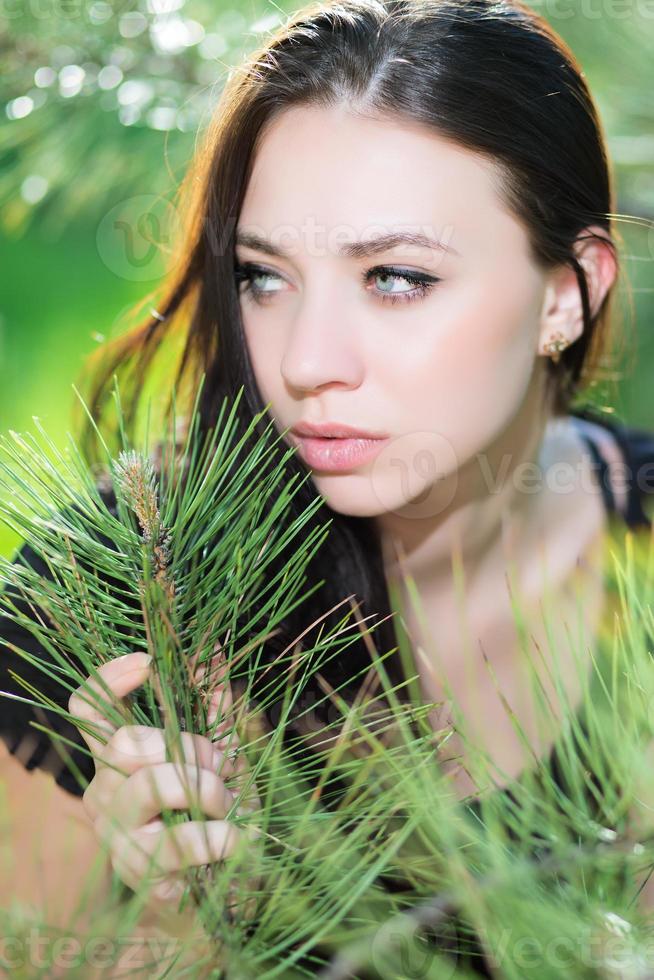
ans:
(438, 351)
(468, 362)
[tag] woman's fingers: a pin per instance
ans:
(147, 792)
(136, 781)
(150, 853)
(89, 702)
(118, 677)
(100, 791)
(134, 746)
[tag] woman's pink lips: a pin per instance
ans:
(338, 454)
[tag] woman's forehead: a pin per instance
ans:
(358, 178)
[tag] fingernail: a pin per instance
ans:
(153, 825)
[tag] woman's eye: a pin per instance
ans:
(419, 283)
(247, 273)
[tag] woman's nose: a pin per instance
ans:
(322, 348)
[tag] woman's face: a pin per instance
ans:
(440, 363)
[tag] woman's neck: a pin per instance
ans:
(459, 631)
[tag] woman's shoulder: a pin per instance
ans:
(624, 458)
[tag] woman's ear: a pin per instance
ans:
(562, 310)
(596, 254)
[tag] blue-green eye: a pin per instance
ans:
(248, 272)
(423, 284)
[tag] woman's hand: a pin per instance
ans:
(133, 783)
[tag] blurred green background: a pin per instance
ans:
(102, 106)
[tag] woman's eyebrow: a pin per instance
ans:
(356, 250)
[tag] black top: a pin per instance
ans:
(35, 749)
(636, 448)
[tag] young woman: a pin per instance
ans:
(400, 234)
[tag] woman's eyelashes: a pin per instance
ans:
(247, 272)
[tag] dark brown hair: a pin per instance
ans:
(492, 76)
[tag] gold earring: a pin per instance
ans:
(555, 346)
